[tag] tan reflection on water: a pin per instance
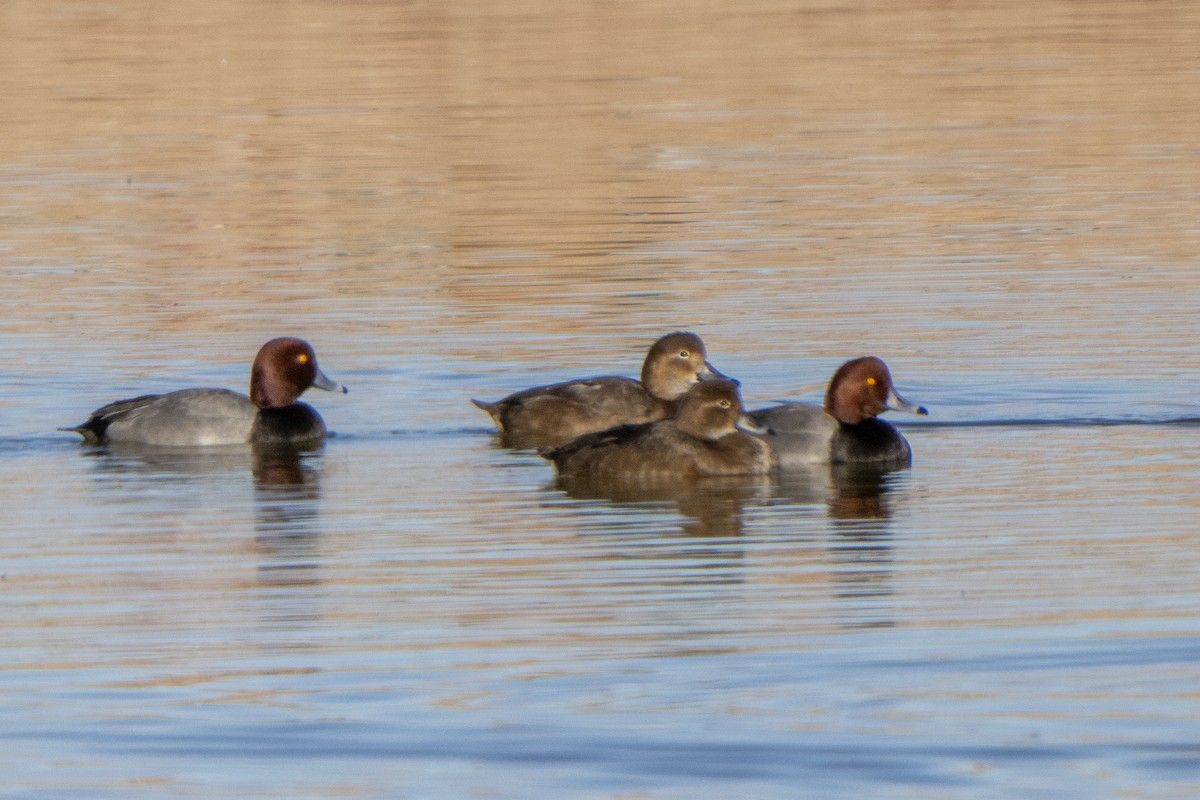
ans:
(547, 165)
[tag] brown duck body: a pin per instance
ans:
(701, 440)
(550, 416)
(547, 416)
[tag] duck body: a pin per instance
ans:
(551, 416)
(846, 429)
(701, 440)
(270, 415)
(802, 435)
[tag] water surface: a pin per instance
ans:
(461, 200)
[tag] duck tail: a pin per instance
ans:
(493, 410)
(92, 431)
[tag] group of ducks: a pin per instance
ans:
(686, 419)
(683, 419)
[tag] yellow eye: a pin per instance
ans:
(302, 358)
(871, 381)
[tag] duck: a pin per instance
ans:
(708, 436)
(551, 416)
(283, 369)
(846, 429)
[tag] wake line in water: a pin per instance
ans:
(1066, 422)
(19, 444)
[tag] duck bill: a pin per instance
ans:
(322, 381)
(710, 373)
(897, 403)
(747, 425)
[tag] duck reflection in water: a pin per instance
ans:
(858, 500)
(853, 546)
(853, 495)
(189, 480)
(709, 507)
(286, 520)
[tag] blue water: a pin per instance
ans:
(453, 201)
(179, 630)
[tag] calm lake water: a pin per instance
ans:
(456, 200)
